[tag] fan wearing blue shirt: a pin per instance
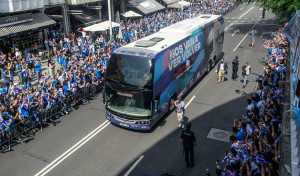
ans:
(238, 134)
(29, 62)
(2, 91)
(58, 57)
(99, 71)
(19, 70)
(24, 108)
(38, 69)
(6, 78)
(66, 88)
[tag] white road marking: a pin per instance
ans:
(259, 23)
(242, 8)
(238, 18)
(264, 33)
(73, 149)
(228, 26)
(244, 38)
(242, 21)
(245, 13)
(134, 165)
(228, 21)
(234, 32)
(190, 101)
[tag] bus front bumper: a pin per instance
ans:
(132, 126)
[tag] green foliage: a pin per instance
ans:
(284, 9)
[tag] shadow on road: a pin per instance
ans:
(166, 156)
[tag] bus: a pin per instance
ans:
(145, 77)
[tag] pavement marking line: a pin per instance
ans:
(236, 31)
(244, 37)
(190, 101)
(265, 33)
(245, 13)
(263, 24)
(228, 26)
(73, 149)
(134, 165)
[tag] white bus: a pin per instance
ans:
(143, 78)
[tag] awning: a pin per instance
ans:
(131, 14)
(39, 20)
(4, 32)
(88, 16)
(170, 1)
(101, 26)
(178, 5)
(147, 6)
(56, 17)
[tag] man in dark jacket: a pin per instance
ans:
(188, 139)
(222, 70)
(235, 67)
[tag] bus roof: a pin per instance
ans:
(170, 35)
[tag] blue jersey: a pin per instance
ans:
(66, 90)
(28, 59)
(38, 67)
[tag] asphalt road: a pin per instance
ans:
(113, 151)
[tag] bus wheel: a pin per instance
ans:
(208, 67)
(171, 105)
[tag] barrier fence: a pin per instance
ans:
(29, 126)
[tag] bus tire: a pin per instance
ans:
(213, 62)
(208, 67)
(171, 105)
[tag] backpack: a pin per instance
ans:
(244, 70)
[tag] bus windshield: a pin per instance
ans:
(130, 70)
(137, 104)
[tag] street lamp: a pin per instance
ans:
(109, 18)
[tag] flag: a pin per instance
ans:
(259, 159)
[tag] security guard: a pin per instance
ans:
(188, 139)
(235, 67)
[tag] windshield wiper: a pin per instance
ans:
(112, 79)
(123, 84)
(127, 85)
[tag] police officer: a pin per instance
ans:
(188, 140)
(235, 67)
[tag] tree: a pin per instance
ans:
(284, 9)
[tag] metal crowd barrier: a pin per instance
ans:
(28, 127)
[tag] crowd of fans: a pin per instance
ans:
(255, 148)
(138, 28)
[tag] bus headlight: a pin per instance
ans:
(142, 122)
